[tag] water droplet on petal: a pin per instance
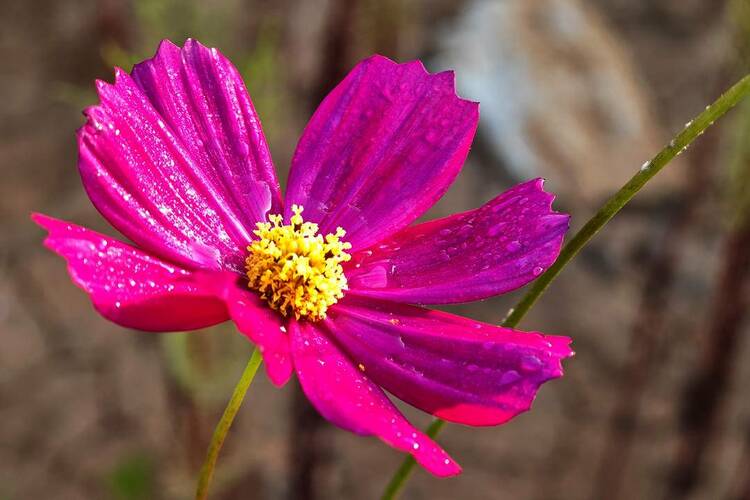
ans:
(513, 246)
(509, 377)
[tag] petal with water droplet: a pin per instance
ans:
(129, 286)
(488, 251)
(174, 158)
(259, 323)
(202, 98)
(381, 149)
(343, 394)
(452, 367)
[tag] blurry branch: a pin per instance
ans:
(154, 20)
(262, 69)
(172, 19)
(336, 42)
(739, 168)
(705, 393)
(648, 329)
(649, 326)
(29, 288)
(704, 396)
(114, 55)
(113, 28)
(611, 207)
(740, 490)
(73, 95)
(740, 180)
(307, 445)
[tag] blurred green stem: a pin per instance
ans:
(692, 130)
(222, 428)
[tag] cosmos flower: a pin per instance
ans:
(330, 282)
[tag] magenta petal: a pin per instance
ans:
(203, 99)
(258, 322)
(381, 149)
(452, 367)
(496, 248)
(183, 174)
(346, 397)
(131, 287)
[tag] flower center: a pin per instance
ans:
(295, 269)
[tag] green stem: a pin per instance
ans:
(222, 428)
(692, 130)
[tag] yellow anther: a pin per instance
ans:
(295, 269)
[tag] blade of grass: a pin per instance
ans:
(611, 207)
(222, 428)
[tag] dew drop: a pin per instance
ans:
(495, 230)
(513, 246)
(531, 363)
(509, 377)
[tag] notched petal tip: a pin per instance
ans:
(455, 368)
(192, 42)
(194, 47)
(184, 122)
(166, 44)
(392, 137)
(444, 81)
(120, 74)
(449, 77)
(101, 87)
(165, 47)
(346, 396)
(559, 350)
(538, 185)
(496, 248)
(39, 219)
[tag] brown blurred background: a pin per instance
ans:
(581, 92)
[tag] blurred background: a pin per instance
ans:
(581, 92)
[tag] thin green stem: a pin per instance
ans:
(692, 130)
(222, 428)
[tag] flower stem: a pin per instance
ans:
(611, 207)
(222, 428)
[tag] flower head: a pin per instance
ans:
(295, 269)
(174, 158)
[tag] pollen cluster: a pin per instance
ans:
(295, 269)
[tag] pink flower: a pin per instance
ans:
(174, 158)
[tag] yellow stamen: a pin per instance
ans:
(295, 269)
